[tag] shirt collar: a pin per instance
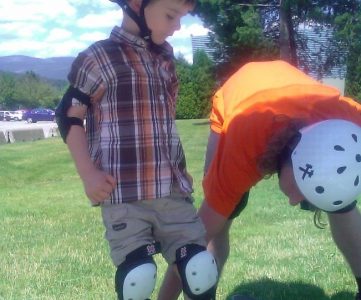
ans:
(119, 35)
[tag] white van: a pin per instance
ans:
(6, 115)
(17, 115)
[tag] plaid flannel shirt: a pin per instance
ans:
(131, 132)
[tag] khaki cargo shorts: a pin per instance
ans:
(172, 221)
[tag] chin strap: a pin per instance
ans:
(145, 32)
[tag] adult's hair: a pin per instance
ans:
(278, 152)
(280, 146)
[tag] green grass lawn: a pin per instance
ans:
(52, 244)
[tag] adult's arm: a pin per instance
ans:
(213, 140)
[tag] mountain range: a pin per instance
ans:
(51, 68)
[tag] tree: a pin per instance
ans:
(7, 83)
(28, 91)
(31, 92)
(348, 32)
(203, 73)
(197, 84)
(287, 43)
(273, 30)
(186, 104)
(236, 34)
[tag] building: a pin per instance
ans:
(310, 53)
(201, 42)
(312, 58)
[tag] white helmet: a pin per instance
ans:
(327, 164)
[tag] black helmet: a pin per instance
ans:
(145, 32)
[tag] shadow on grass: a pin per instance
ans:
(266, 289)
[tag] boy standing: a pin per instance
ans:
(130, 157)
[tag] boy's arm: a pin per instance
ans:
(98, 184)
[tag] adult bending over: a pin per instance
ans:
(269, 118)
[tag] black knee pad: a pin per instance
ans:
(135, 278)
(198, 270)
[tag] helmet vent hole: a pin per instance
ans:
(338, 202)
(338, 148)
(340, 170)
(354, 136)
(358, 157)
(357, 181)
(319, 190)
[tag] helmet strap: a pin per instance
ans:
(145, 32)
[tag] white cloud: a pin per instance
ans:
(107, 19)
(188, 30)
(34, 10)
(184, 51)
(18, 46)
(47, 28)
(92, 3)
(42, 49)
(58, 35)
(181, 48)
(93, 36)
(21, 29)
(66, 48)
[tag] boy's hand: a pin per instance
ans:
(98, 186)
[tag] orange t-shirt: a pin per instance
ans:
(257, 101)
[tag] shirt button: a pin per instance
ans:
(161, 98)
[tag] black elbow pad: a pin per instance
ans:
(64, 122)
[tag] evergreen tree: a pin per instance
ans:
(28, 91)
(197, 84)
(186, 104)
(348, 32)
(251, 30)
(7, 90)
(203, 73)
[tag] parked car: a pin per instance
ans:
(2, 115)
(39, 114)
(17, 115)
(6, 115)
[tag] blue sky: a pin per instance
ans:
(48, 28)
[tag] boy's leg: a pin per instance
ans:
(131, 243)
(346, 232)
(171, 286)
(182, 236)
